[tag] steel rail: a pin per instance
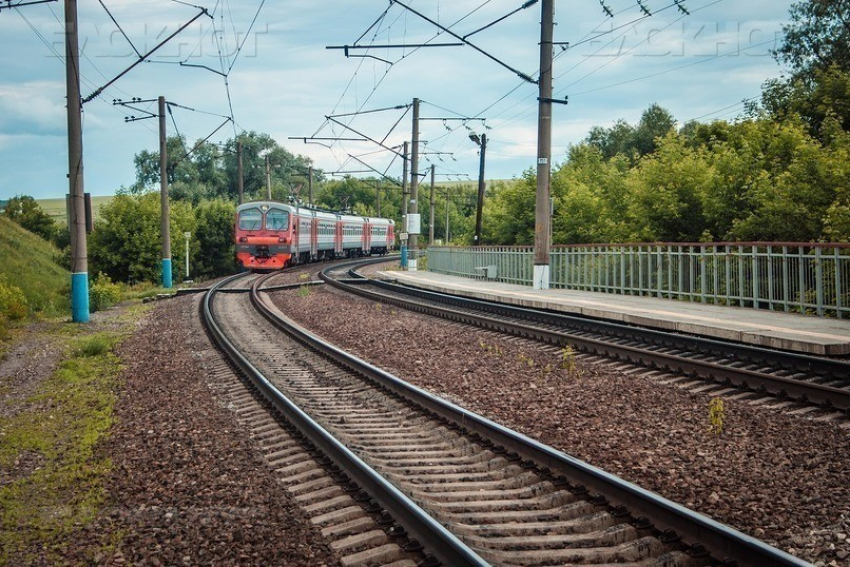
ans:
(721, 541)
(444, 545)
(755, 354)
(827, 396)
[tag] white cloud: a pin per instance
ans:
(285, 80)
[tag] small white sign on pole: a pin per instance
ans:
(414, 223)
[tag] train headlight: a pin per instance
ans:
(282, 240)
(243, 239)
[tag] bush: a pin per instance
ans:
(103, 294)
(13, 304)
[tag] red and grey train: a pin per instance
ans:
(271, 235)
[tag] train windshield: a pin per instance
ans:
(277, 220)
(250, 219)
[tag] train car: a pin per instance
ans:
(271, 235)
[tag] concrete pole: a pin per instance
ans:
(310, 185)
(240, 173)
(544, 150)
(76, 188)
(165, 220)
(378, 194)
(447, 216)
(268, 178)
(480, 207)
(414, 187)
(404, 209)
(431, 217)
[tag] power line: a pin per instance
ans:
(117, 25)
(8, 3)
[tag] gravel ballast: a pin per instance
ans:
(778, 477)
(187, 486)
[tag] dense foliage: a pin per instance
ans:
(757, 179)
(126, 244)
(782, 173)
(207, 171)
(24, 210)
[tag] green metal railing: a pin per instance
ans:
(795, 277)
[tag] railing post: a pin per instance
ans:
(786, 282)
(839, 304)
(727, 262)
(659, 260)
(640, 270)
(622, 270)
(755, 277)
(819, 279)
(801, 278)
(770, 277)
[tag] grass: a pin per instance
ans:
(59, 484)
(28, 263)
(55, 208)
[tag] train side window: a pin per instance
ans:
(250, 219)
(277, 220)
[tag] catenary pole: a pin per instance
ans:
(414, 189)
(239, 173)
(310, 186)
(404, 209)
(480, 206)
(268, 178)
(447, 216)
(544, 149)
(431, 217)
(76, 203)
(165, 220)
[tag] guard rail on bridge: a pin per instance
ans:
(796, 277)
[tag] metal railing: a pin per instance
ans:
(795, 277)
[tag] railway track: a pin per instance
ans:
(800, 378)
(465, 489)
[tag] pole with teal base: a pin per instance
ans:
(80, 297)
(166, 272)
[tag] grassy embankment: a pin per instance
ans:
(51, 473)
(28, 263)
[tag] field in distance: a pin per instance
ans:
(55, 208)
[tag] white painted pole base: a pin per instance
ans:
(411, 265)
(541, 277)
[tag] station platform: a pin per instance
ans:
(771, 329)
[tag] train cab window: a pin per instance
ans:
(277, 220)
(250, 219)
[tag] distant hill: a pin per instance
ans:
(55, 208)
(29, 263)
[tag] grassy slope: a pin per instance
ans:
(55, 208)
(27, 262)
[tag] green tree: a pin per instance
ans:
(817, 38)
(212, 248)
(25, 211)
(288, 172)
(126, 242)
(590, 197)
(629, 141)
(816, 49)
(508, 216)
(665, 193)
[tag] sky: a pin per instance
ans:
(267, 65)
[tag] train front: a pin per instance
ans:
(263, 236)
